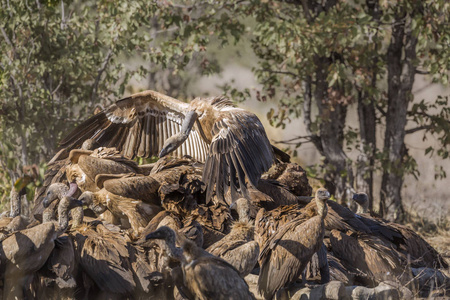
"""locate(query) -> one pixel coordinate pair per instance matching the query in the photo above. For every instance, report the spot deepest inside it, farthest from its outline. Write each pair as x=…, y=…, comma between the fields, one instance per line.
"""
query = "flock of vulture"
x=219, y=207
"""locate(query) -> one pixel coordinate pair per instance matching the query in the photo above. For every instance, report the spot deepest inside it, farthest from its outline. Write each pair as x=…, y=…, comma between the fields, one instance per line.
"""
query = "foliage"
x=61, y=59
x=349, y=41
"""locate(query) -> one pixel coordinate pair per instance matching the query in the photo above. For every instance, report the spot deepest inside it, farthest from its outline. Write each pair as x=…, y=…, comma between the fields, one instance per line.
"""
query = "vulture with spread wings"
x=231, y=141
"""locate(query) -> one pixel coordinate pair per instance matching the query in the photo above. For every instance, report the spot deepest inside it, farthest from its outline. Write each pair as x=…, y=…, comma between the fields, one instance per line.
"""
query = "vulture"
x=285, y=255
x=238, y=247
x=370, y=258
x=103, y=259
x=201, y=275
x=190, y=228
x=26, y=251
x=55, y=173
x=405, y=240
x=15, y=221
x=231, y=141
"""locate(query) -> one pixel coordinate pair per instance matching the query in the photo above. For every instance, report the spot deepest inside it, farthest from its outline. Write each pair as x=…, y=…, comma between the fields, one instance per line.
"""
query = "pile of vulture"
x=222, y=214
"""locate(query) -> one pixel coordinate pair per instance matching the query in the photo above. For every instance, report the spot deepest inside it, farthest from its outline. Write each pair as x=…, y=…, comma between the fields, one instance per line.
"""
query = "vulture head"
x=167, y=238
x=162, y=233
x=322, y=195
x=363, y=201
x=176, y=140
x=171, y=144
x=87, y=198
x=57, y=191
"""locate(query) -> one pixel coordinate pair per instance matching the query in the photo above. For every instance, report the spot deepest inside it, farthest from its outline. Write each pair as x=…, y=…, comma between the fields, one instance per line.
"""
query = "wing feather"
x=137, y=126
x=241, y=149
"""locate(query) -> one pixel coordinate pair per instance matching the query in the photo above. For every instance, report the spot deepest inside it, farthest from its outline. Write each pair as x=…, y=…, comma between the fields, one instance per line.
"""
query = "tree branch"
x=281, y=72
x=422, y=72
x=380, y=109
x=412, y=130
x=308, y=138
x=100, y=72
x=8, y=41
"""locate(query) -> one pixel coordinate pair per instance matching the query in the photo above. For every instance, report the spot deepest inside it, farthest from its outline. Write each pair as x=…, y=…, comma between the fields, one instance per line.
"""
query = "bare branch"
x=8, y=41
x=307, y=138
x=422, y=72
x=293, y=143
x=419, y=128
x=61, y=80
x=380, y=109
x=412, y=130
x=101, y=70
x=281, y=72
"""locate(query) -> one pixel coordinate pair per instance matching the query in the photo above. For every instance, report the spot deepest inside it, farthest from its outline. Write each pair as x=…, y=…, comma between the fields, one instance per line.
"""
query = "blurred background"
x=356, y=91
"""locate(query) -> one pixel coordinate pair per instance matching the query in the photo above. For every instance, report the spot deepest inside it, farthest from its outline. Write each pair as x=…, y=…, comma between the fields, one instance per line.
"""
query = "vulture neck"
x=15, y=203
x=243, y=216
x=191, y=251
x=322, y=208
x=49, y=214
x=65, y=205
x=77, y=216
x=362, y=208
x=168, y=246
x=63, y=214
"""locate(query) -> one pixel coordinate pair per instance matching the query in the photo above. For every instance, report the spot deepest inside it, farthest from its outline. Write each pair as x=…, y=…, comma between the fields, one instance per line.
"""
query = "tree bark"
x=339, y=174
x=367, y=122
x=329, y=141
x=400, y=63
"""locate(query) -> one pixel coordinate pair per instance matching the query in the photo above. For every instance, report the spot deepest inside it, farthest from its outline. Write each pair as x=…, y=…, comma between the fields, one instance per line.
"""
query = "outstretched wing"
x=239, y=149
x=138, y=126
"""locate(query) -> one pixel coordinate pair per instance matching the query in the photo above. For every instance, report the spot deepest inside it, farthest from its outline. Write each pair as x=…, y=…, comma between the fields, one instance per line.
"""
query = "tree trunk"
x=329, y=142
x=400, y=63
x=332, y=113
x=366, y=160
x=367, y=121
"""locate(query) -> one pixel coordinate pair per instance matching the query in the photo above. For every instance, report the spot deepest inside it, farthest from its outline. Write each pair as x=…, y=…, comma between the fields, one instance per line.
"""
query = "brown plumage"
x=85, y=165
x=55, y=173
x=238, y=247
x=231, y=141
x=279, y=194
x=215, y=220
x=338, y=217
x=290, y=176
x=26, y=251
x=132, y=211
x=103, y=256
x=190, y=228
x=285, y=255
x=201, y=275
x=268, y=222
x=55, y=280
x=421, y=253
x=15, y=221
x=368, y=255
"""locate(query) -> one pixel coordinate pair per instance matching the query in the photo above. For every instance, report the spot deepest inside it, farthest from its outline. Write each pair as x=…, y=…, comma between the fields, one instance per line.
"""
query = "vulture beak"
x=45, y=202
x=171, y=144
x=176, y=140
x=327, y=194
x=233, y=205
